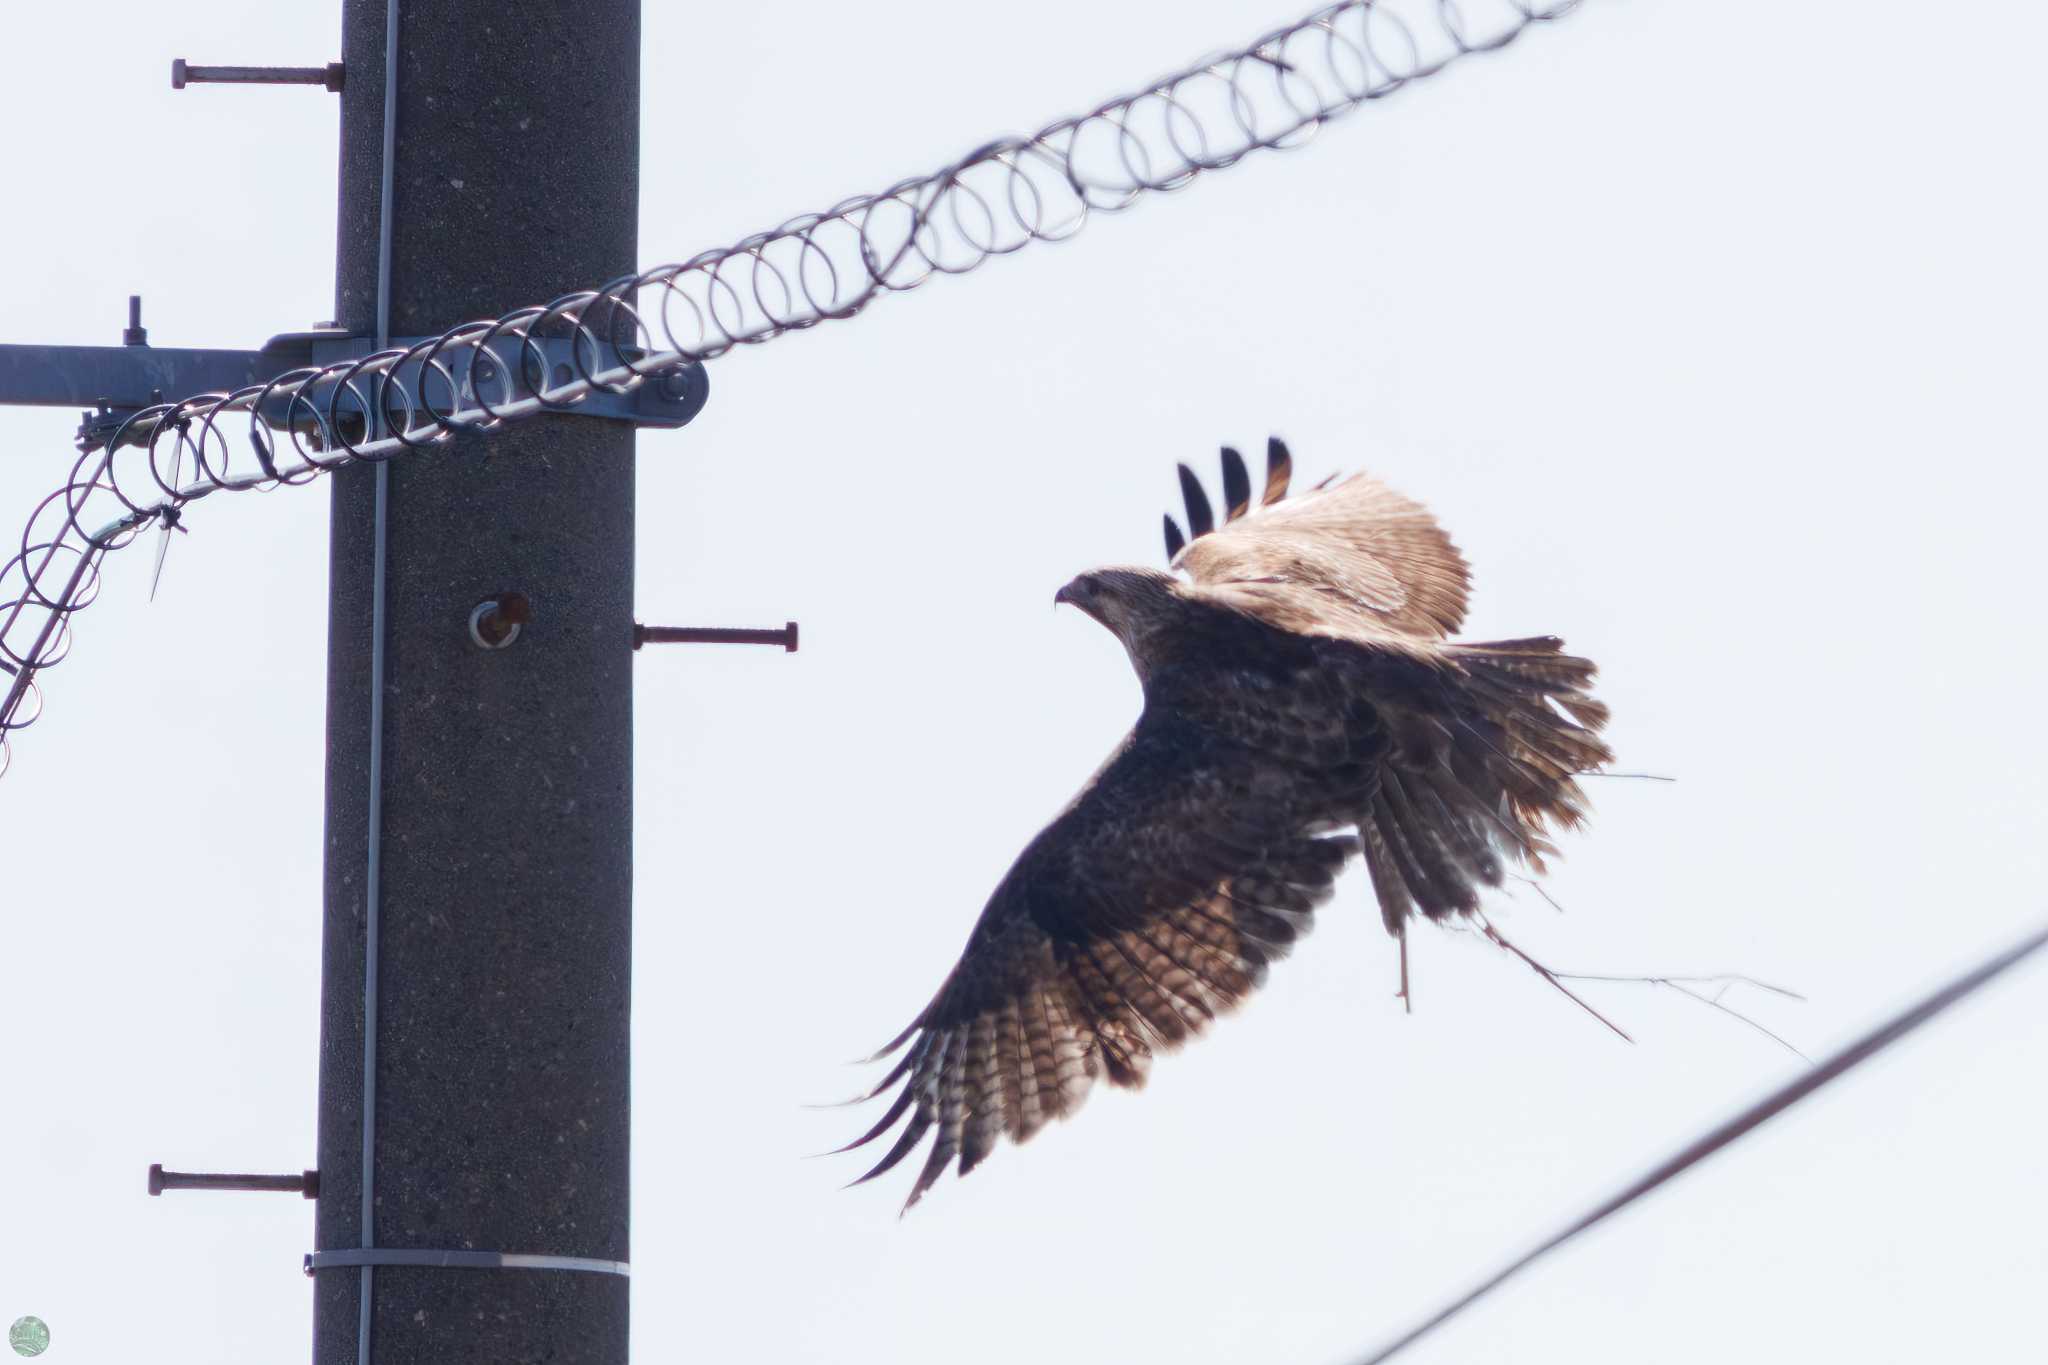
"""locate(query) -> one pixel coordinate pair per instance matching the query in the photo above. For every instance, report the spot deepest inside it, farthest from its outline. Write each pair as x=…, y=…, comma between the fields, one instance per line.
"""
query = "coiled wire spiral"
x=1277, y=92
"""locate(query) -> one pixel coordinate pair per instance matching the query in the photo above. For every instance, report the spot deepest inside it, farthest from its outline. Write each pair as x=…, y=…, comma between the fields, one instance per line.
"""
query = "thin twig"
x=1706, y=979
x=1539, y=889
x=1677, y=983
x=1494, y=936
x=1407, y=1000
x=1682, y=984
x=1714, y=1001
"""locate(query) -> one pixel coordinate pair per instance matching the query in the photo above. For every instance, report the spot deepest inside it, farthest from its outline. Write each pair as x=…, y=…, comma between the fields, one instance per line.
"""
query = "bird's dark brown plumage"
x=1302, y=705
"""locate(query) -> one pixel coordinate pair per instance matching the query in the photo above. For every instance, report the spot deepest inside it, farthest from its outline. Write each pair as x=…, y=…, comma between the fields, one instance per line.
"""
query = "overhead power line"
x=1856, y=1053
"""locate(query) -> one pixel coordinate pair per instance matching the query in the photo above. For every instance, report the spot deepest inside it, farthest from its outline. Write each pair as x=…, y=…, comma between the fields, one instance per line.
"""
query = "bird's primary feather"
x=1302, y=705
x=1237, y=485
x=1201, y=520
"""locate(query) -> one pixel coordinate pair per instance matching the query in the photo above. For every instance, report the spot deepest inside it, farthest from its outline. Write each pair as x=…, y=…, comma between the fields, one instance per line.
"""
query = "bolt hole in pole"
x=495, y=622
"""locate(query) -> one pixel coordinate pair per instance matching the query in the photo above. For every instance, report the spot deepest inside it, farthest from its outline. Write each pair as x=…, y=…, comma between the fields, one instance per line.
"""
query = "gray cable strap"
x=461, y=1260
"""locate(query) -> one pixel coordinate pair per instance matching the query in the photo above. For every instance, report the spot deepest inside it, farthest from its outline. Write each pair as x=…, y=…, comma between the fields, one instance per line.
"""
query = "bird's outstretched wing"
x=1351, y=559
x=1154, y=903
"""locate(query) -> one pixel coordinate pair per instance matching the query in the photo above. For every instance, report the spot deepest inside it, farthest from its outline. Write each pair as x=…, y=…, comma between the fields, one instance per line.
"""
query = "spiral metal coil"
x=1276, y=92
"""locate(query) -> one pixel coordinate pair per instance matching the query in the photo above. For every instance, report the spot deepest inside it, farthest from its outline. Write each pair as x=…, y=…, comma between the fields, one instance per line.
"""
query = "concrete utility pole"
x=503, y=914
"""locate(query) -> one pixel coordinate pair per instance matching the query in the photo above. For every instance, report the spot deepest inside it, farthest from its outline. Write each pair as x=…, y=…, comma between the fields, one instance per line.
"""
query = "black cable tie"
x=263, y=455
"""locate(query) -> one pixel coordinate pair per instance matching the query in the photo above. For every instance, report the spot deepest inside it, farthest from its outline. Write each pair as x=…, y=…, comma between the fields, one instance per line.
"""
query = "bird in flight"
x=1303, y=706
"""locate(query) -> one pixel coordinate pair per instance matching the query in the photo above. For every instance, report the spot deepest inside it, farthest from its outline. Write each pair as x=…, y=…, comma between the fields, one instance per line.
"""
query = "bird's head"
x=1136, y=605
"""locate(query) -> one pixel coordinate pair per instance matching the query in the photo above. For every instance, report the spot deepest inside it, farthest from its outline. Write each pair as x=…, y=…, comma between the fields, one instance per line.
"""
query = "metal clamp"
x=121, y=380
x=460, y=1260
x=501, y=372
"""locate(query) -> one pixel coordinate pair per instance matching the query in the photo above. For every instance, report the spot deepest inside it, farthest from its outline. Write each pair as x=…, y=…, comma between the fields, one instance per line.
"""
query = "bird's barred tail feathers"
x=1481, y=783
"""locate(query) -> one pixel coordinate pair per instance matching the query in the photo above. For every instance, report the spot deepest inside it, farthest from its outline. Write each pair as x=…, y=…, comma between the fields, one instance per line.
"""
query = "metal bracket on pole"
x=115, y=382
x=305, y=1183
x=714, y=635
x=328, y=77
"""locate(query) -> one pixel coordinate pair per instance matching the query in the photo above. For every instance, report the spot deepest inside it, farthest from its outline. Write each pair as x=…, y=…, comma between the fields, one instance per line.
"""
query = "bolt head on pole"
x=135, y=334
x=494, y=623
x=178, y=73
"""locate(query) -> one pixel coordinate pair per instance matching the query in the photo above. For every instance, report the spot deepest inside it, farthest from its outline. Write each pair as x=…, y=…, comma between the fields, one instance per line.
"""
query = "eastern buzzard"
x=1302, y=705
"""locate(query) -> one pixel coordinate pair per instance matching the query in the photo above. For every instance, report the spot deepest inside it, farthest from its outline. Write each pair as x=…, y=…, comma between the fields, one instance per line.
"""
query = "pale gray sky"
x=1712, y=332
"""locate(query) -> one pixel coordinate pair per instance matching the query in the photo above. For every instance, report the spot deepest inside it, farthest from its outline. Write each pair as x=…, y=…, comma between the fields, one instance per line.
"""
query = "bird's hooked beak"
x=1073, y=595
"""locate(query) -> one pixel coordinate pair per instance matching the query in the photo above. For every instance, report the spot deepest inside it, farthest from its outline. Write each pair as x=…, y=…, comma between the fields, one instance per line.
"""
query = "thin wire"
x=1275, y=93
x=373, y=877
x=1869, y=1045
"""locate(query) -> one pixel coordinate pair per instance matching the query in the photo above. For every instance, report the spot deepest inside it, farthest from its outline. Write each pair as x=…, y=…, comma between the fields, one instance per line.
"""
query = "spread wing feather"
x=1279, y=470
x=1201, y=519
x=1237, y=485
x=1485, y=743
x=1152, y=905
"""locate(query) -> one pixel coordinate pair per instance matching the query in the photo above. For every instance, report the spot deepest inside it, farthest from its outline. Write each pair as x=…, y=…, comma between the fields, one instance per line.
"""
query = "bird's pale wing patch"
x=1351, y=558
